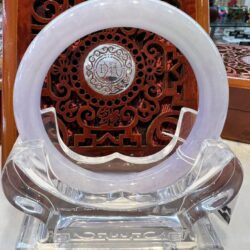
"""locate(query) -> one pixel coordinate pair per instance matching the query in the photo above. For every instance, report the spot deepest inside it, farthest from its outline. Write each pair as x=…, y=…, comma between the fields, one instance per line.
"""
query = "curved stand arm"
x=29, y=184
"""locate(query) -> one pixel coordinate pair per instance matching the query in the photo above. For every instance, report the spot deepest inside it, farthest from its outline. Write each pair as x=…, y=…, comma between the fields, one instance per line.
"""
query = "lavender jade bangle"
x=152, y=15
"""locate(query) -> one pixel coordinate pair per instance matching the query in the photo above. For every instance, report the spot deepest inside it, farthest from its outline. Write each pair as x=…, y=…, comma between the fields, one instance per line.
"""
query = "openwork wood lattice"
x=131, y=122
x=236, y=59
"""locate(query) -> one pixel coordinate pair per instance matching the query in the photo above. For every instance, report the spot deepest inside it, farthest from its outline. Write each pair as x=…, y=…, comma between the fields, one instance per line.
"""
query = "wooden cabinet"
x=237, y=126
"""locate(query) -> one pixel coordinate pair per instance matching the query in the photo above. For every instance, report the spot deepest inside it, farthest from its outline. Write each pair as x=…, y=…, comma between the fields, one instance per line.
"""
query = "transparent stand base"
x=144, y=233
x=59, y=216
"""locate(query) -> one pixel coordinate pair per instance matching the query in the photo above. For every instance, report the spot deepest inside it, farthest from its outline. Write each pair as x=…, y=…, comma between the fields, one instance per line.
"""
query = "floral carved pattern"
x=236, y=59
x=131, y=122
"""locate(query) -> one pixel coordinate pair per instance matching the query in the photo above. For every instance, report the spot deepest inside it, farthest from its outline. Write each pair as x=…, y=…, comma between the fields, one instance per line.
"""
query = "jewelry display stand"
x=175, y=217
x=117, y=201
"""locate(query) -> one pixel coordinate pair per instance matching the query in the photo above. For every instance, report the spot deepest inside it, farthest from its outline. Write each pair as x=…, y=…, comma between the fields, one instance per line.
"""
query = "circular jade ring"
x=151, y=15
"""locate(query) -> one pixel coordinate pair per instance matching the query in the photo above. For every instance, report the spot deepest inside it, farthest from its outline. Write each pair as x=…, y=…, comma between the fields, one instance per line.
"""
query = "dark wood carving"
x=27, y=17
x=132, y=122
x=20, y=27
x=236, y=59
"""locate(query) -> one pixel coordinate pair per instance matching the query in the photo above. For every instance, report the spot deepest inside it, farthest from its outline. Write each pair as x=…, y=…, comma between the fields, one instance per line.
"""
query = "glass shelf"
x=219, y=24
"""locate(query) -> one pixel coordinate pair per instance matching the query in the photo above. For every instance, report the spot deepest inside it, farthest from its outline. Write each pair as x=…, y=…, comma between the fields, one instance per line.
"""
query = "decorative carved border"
x=237, y=60
x=17, y=27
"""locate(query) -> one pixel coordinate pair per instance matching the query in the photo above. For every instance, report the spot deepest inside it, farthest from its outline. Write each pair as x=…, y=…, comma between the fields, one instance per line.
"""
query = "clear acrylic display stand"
x=176, y=217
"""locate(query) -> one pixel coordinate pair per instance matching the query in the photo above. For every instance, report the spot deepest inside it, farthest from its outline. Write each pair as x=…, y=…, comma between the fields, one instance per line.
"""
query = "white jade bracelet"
x=152, y=15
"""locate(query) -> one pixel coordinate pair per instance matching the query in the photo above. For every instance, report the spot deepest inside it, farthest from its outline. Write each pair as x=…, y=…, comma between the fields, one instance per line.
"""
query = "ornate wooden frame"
x=237, y=69
x=16, y=39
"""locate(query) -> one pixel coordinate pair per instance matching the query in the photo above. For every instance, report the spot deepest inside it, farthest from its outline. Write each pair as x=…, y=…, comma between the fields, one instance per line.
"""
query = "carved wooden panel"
x=33, y=15
x=131, y=122
x=236, y=59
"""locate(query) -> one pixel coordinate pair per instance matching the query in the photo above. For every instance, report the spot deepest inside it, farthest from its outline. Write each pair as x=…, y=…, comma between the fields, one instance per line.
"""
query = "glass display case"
x=230, y=22
x=231, y=33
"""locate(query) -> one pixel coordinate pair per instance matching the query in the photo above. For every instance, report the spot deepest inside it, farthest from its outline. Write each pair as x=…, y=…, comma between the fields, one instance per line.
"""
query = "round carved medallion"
x=109, y=69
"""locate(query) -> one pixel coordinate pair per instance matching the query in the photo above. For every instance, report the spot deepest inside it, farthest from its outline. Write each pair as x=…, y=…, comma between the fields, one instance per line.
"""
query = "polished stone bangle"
x=152, y=15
